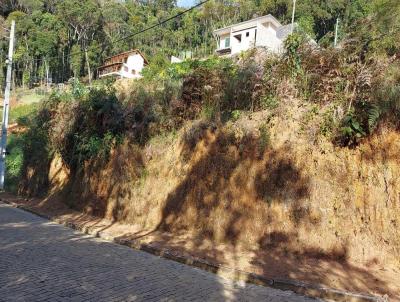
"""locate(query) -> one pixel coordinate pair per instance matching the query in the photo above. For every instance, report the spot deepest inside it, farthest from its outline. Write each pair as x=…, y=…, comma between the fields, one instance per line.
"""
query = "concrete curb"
x=310, y=290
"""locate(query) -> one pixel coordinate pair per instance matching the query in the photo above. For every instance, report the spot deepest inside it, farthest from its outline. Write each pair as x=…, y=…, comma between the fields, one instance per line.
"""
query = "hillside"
x=286, y=165
x=242, y=161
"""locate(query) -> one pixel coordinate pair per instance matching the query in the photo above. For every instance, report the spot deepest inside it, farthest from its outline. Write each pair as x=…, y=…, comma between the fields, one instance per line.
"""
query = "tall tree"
x=84, y=19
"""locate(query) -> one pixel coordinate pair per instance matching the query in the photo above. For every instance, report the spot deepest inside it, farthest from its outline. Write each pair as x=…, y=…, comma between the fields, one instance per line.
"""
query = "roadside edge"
x=298, y=287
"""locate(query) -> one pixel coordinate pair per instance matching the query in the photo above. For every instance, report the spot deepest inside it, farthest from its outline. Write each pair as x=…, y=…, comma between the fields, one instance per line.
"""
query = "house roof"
x=247, y=24
x=127, y=54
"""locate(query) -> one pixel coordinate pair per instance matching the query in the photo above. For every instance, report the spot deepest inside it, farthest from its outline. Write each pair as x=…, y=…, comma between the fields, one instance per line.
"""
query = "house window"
x=126, y=69
x=238, y=37
x=133, y=71
x=227, y=42
x=247, y=34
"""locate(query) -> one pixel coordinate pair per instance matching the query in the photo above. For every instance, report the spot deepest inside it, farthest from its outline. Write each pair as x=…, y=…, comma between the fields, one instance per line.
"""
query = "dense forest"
x=66, y=38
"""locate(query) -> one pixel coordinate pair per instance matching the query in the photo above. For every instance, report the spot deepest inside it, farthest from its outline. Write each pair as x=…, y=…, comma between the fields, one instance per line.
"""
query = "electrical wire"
x=135, y=33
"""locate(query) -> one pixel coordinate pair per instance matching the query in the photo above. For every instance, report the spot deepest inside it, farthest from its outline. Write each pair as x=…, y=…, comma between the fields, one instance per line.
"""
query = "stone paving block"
x=43, y=261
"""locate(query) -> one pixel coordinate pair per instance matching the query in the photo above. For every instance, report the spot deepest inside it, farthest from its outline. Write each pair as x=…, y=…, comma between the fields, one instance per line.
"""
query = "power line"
x=162, y=22
x=136, y=33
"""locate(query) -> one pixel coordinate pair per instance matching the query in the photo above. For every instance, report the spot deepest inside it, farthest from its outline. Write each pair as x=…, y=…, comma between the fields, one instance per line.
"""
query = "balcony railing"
x=109, y=69
x=224, y=51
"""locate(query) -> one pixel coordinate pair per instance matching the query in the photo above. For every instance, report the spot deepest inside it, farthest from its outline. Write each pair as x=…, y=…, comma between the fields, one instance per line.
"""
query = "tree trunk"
x=88, y=66
x=63, y=67
x=47, y=75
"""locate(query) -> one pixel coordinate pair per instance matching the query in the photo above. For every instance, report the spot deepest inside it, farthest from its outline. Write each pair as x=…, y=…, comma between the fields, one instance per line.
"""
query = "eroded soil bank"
x=278, y=204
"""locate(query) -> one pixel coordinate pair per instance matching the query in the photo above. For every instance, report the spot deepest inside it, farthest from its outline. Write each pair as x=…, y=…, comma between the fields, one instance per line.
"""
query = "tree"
x=84, y=19
x=51, y=32
x=76, y=60
x=387, y=25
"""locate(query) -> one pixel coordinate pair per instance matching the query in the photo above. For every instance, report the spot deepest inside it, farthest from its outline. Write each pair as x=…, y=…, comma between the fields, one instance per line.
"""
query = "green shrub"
x=96, y=124
x=328, y=123
x=14, y=162
x=78, y=89
x=351, y=130
x=292, y=45
x=161, y=69
x=241, y=85
x=37, y=154
x=235, y=115
x=156, y=67
x=270, y=102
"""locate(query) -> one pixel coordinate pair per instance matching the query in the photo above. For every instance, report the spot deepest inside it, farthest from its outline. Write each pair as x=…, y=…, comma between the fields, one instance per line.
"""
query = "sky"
x=186, y=3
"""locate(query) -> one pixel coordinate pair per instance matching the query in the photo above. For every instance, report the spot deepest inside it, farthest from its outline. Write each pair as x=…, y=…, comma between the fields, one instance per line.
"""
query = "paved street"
x=43, y=261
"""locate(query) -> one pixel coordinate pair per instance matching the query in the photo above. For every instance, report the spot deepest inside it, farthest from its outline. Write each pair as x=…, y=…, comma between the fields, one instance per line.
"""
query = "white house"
x=176, y=60
x=264, y=31
x=128, y=65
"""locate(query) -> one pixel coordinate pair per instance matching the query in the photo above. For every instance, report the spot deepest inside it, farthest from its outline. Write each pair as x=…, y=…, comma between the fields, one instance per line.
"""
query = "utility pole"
x=294, y=10
x=336, y=32
x=6, y=105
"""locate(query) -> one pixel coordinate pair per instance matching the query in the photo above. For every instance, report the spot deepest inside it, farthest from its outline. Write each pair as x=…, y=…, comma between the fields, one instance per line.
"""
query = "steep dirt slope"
x=261, y=194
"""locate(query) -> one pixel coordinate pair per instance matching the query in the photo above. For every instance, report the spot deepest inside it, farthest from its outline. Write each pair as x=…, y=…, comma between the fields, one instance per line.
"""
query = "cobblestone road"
x=43, y=261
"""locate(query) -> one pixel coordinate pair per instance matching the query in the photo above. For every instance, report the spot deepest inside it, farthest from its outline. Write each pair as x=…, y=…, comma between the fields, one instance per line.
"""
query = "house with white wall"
x=127, y=65
x=265, y=31
x=176, y=60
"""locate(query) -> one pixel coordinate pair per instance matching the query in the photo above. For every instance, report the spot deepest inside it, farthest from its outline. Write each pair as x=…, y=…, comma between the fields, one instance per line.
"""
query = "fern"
x=394, y=99
x=374, y=113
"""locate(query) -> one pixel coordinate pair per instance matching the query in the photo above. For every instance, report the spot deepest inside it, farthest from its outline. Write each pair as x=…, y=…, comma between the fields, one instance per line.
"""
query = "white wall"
x=134, y=63
x=266, y=36
x=175, y=60
x=246, y=42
